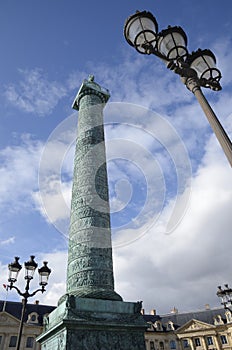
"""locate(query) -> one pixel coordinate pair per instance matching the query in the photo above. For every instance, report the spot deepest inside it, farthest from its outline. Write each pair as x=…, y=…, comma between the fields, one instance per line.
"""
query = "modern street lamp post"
x=30, y=267
x=226, y=296
x=196, y=70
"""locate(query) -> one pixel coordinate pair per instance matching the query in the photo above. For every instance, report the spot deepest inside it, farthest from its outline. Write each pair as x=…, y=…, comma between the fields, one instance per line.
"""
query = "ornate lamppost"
x=196, y=70
x=30, y=267
x=226, y=296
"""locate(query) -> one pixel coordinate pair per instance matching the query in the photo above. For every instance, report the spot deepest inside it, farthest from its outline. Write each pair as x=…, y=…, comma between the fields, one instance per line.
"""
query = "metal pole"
x=220, y=133
x=24, y=303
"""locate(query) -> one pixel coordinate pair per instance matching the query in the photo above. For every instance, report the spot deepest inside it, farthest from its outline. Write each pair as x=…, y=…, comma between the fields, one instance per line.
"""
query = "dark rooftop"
x=179, y=319
x=15, y=308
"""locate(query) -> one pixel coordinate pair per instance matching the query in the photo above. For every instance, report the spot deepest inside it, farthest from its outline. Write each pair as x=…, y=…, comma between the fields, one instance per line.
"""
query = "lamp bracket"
x=26, y=294
x=149, y=49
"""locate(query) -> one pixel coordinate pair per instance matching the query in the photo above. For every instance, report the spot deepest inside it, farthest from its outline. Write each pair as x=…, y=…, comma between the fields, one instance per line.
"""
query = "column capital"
x=88, y=87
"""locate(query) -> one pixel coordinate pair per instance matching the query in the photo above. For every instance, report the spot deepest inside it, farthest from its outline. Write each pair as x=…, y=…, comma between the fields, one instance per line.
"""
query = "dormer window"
x=170, y=326
x=150, y=326
x=158, y=326
x=218, y=320
x=33, y=318
x=228, y=316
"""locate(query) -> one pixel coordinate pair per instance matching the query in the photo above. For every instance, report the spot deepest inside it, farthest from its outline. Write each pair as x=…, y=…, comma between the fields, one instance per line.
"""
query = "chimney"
x=153, y=312
x=207, y=307
x=36, y=302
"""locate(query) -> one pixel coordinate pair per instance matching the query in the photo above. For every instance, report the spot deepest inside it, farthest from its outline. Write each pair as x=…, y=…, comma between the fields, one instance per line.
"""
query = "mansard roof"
x=180, y=319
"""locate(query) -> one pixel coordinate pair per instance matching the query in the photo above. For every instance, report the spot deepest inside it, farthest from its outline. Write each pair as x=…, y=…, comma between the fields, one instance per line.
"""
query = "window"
x=172, y=344
x=185, y=343
x=158, y=326
x=33, y=317
x=228, y=316
x=13, y=341
x=170, y=326
x=161, y=345
x=223, y=339
x=152, y=345
x=197, y=342
x=209, y=340
x=30, y=342
x=149, y=326
x=218, y=320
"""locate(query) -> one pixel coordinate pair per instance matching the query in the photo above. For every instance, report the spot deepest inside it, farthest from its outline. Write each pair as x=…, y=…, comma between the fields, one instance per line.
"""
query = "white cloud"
x=53, y=196
x=222, y=49
x=7, y=241
x=57, y=261
x=3, y=281
x=53, y=201
x=18, y=172
x=184, y=268
x=152, y=87
x=35, y=93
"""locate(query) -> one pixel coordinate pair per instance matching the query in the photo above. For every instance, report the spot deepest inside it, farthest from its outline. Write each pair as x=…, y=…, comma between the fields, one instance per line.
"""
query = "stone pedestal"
x=94, y=324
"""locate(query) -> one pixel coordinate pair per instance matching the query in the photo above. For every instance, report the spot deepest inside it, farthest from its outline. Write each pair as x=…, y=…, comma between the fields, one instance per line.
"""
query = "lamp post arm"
x=42, y=290
x=17, y=289
x=26, y=294
x=194, y=86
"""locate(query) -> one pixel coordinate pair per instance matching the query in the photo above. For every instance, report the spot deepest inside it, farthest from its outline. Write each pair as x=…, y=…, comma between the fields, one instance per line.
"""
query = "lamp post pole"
x=30, y=267
x=196, y=70
x=215, y=124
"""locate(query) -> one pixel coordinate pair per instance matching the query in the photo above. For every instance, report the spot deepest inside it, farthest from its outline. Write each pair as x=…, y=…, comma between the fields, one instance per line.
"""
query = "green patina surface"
x=94, y=324
x=90, y=267
x=91, y=315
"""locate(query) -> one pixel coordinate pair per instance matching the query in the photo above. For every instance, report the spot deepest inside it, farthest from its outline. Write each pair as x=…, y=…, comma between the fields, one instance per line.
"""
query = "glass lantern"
x=140, y=31
x=14, y=269
x=204, y=63
x=172, y=43
x=44, y=273
x=30, y=267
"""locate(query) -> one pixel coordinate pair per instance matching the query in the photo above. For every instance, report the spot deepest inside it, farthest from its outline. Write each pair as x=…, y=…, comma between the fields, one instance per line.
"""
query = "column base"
x=85, y=323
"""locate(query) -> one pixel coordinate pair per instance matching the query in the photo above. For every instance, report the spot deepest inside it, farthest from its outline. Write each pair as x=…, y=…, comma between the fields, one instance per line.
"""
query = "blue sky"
x=169, y=180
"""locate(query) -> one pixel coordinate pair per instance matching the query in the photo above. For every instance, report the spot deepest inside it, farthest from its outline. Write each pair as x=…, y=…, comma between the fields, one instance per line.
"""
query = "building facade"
x=10, y=315
x=209, y=329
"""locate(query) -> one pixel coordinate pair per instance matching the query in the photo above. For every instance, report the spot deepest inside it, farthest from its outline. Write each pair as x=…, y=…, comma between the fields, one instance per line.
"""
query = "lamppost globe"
x=172, y=43
x=196, y=70
x=140, y=31
x=204, y=63
x=30, y=267
x=14, y=269
x=44, y=273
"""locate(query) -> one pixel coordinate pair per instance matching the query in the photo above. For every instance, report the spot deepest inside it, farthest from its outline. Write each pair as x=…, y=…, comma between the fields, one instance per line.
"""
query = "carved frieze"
x=105, y=340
